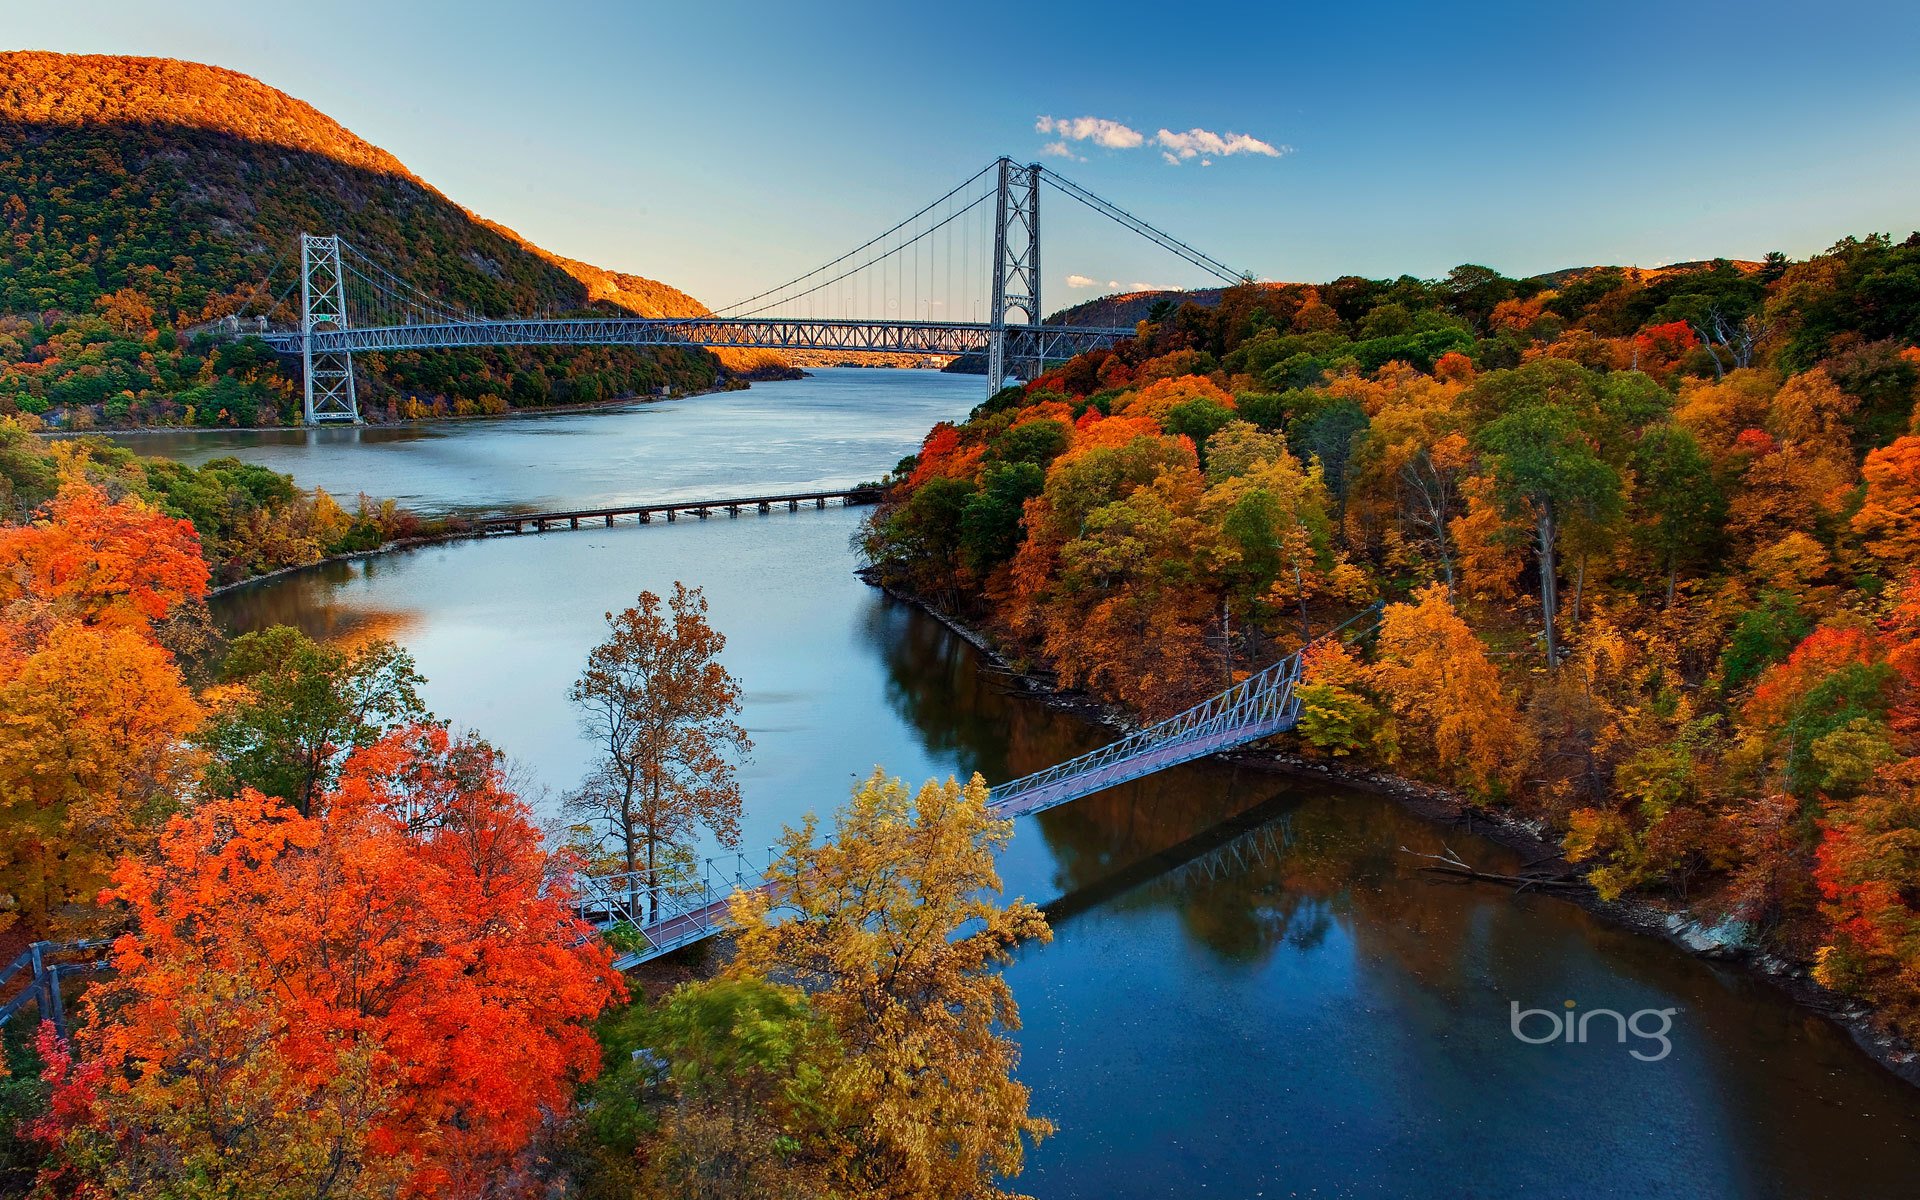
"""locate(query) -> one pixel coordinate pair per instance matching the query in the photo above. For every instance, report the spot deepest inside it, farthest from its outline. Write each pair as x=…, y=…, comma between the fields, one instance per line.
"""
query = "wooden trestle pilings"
x=672, y=510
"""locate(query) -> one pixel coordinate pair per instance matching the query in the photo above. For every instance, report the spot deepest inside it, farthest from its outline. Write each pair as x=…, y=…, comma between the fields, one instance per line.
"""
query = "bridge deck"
x=674, y=509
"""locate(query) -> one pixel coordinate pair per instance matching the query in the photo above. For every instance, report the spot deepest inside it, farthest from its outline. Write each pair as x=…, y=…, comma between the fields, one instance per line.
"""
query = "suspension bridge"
x=915, y=289
x=652, y=913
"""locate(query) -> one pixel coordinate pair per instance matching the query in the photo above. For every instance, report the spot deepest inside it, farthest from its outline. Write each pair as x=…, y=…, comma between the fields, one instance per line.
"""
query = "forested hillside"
x=1649, y=543
x=146, y=199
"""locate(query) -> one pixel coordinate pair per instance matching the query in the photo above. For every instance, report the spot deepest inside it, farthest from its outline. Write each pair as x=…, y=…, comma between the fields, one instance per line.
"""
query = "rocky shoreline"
x=1721, y=941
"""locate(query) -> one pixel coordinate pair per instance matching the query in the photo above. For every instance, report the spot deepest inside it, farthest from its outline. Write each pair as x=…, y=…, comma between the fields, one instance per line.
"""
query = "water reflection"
x=1250, y=990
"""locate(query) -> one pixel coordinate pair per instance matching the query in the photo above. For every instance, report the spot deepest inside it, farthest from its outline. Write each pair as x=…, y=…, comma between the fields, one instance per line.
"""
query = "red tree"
x=394, y=982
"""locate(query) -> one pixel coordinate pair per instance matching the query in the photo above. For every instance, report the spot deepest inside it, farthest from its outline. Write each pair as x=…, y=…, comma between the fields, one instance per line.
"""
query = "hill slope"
x=144, y=198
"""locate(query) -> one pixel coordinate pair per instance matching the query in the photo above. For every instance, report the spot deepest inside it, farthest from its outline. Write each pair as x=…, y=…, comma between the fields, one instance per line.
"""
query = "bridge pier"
x=765, y=507
x=326, y=375
x=609, y=520
x=574, y=522
x=733, y=510
x=702, y=511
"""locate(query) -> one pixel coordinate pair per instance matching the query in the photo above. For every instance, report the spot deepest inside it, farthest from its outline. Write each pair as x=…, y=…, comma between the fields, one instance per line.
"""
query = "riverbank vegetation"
x=248, y=520
x=343, y=956
x=1646, y=541
x=152, y=212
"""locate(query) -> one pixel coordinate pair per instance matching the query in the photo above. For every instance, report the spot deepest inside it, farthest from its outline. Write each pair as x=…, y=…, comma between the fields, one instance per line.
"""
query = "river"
x=1250, y=992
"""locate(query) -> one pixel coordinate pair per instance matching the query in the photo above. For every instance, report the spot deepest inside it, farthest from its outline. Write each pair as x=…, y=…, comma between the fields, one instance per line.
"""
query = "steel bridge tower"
x=323, y=302
x=1016, y=268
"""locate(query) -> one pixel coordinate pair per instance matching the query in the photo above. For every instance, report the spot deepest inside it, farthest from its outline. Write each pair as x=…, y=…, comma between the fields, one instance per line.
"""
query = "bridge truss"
x=898, y=293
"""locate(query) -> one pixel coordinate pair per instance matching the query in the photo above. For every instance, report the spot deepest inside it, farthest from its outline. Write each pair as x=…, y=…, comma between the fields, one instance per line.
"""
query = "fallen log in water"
x=1453, y=866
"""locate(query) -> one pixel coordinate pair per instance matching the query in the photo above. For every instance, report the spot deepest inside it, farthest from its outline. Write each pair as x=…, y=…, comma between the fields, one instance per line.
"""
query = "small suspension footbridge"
x=648, y=914
x=916, y=289
x=656, y=913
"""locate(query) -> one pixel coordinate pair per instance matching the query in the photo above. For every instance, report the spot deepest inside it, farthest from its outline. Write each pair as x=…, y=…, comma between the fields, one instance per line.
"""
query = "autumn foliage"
x=1644, y=537
x=94, y=714
x=392, y=989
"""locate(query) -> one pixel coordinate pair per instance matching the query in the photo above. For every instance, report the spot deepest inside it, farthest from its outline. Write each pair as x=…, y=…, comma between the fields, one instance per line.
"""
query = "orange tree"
x=388, y=994
x=94, y=714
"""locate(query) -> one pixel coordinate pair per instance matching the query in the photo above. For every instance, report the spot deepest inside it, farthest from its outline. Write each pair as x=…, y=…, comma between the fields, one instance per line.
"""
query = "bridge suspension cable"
x=1114, y=212
x=388, y=296
x=864, y=246
x=915, y=240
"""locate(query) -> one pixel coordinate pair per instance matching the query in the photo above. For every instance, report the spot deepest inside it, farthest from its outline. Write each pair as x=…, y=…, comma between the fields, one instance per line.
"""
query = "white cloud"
x=1081, y=281
x=1098, y=130
x=1061, y=150
x=1196, y=142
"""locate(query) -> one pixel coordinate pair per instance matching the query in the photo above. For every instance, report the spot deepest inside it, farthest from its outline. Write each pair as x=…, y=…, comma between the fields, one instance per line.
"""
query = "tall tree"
x=662, y=713
x=1442, y=686
x=1681, y=505
x=94, y=714
x=897, y=936
x=1546, y=468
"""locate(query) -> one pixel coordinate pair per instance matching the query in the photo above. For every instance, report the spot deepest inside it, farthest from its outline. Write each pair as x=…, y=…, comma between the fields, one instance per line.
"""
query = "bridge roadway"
x=1023, y=342
x=673, y=510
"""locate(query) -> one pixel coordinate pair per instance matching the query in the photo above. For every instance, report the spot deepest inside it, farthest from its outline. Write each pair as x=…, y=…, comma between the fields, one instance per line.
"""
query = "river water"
x=1250, y=992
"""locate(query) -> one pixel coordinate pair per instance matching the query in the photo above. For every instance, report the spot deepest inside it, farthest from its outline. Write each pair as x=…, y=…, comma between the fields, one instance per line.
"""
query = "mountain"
x=144, y=199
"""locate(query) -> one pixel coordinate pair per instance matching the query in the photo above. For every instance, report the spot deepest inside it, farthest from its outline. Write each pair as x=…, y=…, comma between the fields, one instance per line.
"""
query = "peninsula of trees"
x=1649, y=544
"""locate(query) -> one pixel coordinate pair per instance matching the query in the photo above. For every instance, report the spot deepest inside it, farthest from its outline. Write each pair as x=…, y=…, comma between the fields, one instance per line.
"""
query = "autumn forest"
x=1648, y=544
x=1608, y=577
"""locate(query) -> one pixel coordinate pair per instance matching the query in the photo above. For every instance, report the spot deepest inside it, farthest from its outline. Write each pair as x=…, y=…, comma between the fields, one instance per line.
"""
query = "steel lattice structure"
x=1016, y=265
x=879, y=337
x=328, y=371
x=396, y=315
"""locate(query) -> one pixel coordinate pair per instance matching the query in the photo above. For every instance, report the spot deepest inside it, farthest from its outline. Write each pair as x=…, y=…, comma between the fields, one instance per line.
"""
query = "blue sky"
x=720, y=145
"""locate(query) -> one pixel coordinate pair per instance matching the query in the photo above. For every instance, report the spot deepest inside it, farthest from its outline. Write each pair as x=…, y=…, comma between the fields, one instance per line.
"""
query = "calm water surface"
x=1249, y=992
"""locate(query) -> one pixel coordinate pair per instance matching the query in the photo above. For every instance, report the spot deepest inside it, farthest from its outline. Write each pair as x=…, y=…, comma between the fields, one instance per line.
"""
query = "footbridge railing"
x=646, y=914
x=1258, y=706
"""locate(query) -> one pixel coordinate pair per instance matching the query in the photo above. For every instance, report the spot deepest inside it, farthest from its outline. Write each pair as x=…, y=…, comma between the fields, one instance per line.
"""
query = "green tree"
x=1681, y=504
x=751, y=1102
x=1546, y=470
x=302, y=708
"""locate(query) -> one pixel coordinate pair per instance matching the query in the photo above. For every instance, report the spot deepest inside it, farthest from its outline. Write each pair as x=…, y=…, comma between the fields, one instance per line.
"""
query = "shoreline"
x=556, y=410
x=1444, y=806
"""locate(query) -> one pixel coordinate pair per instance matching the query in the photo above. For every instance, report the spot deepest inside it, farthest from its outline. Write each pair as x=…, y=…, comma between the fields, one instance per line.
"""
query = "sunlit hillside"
x=148, y=197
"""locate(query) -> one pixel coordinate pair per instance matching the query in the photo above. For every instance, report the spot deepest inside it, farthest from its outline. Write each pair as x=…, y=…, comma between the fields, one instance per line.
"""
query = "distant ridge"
x=186, y=183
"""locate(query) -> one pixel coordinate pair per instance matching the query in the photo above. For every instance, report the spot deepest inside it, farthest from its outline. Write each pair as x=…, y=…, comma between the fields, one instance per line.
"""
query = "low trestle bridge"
x=673, y=510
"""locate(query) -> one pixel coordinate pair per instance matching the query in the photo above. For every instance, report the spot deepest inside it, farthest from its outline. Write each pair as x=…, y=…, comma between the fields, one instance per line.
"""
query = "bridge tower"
x=1016, y=268
x=323, y=302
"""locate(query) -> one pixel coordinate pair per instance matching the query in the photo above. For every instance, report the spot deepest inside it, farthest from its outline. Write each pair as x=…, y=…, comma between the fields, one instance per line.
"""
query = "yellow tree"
x=895, y=931
x=1446, y=692
x=93, y=751
x=94, y=715
x=660, y=710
